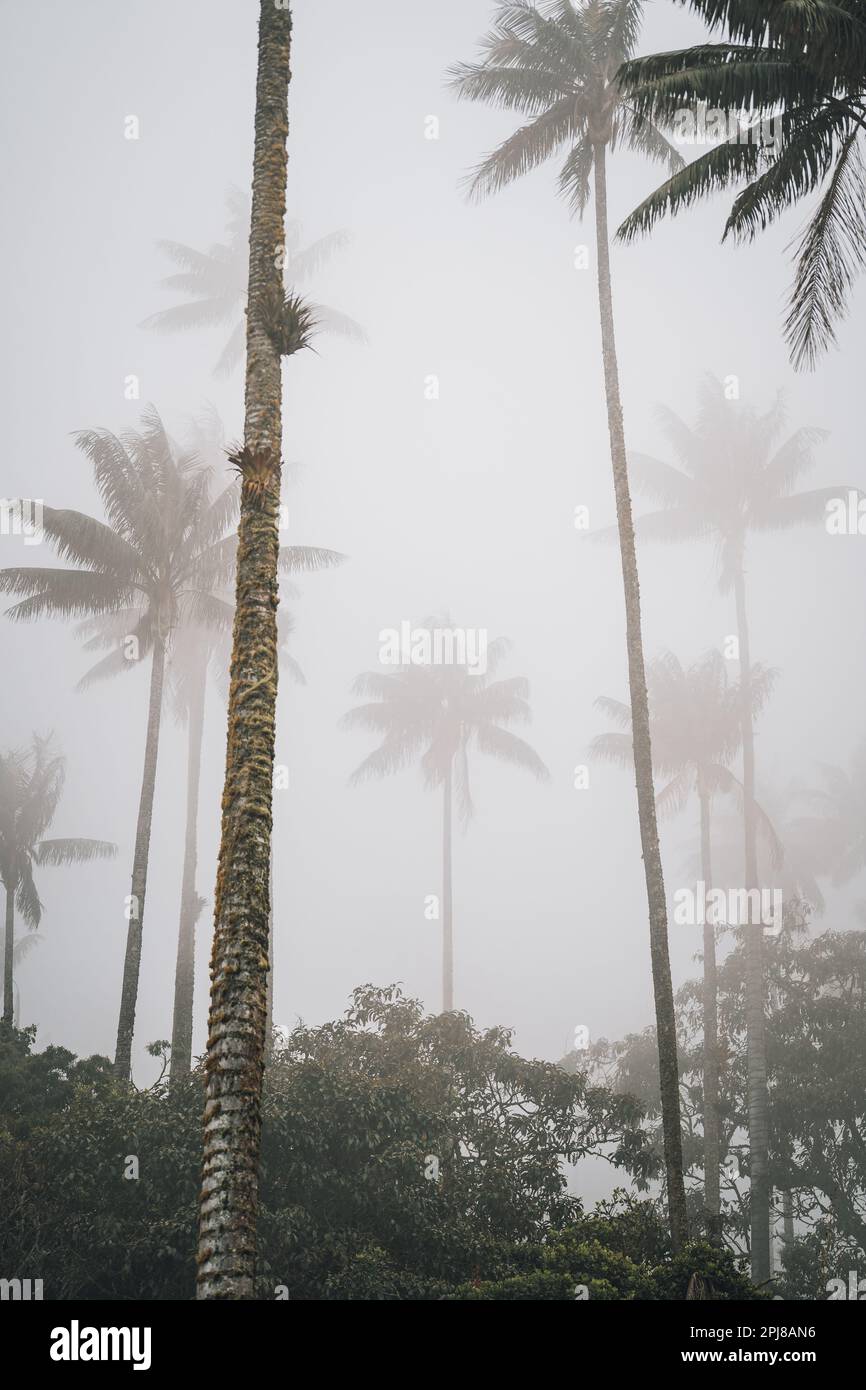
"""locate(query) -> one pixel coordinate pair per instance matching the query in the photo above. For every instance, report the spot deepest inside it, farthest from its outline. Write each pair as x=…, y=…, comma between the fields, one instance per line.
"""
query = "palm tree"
x=23, y=948
x=438, y=714
x=737, y=475
x=559, y=69
x=277, y=326
x=202, y=651
x=133, y=579
x=695, y=727
x=198, y=650
x=31, y=784
x=216, y=281
x=803, y=68
x=790, y=853
x=840, y=825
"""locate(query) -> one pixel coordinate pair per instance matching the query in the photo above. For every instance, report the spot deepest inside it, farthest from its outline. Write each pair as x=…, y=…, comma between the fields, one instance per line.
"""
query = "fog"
x=461, y=502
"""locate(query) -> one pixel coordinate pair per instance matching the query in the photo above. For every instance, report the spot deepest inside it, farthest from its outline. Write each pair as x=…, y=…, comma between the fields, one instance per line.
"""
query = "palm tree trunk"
x=239, y=961
x=184, y=975
x=132, y=962
x=447, y=917
x=712, y=1147
x=661, y=967
x=8, y=1001
x=758, y=1095
x=269, y=1033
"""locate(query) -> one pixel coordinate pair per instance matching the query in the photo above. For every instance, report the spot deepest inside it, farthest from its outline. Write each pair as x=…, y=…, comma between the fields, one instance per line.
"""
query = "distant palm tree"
x=558, y=68
x=216, y=281
x=803, y=68
x=197, y=649
x=790, y=853
x=696, y=732
x=840, y=825
x=31, y=784
x=156, y=564
x=23, y=948
x=737, y=476
x=438, y=714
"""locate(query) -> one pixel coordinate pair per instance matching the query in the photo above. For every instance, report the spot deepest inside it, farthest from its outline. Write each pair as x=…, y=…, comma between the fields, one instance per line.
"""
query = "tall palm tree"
x=439, y=714
x=31, y=784
x=197, y=651
x=203, y=651
x=216, y=281
x=696, y=732
x=558, y=67
x=803, y=68
x=737, y=475
x=153, y=565
x=277, y=326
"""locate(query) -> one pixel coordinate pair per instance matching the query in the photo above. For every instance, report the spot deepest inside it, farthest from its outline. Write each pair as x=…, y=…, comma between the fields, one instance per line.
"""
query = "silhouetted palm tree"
x=802, y=67
x=558, y=68
x=737, y=474
x=696, y=732
x=438, y=715
x=31, y=784
x=154, y=565
x=216, y=281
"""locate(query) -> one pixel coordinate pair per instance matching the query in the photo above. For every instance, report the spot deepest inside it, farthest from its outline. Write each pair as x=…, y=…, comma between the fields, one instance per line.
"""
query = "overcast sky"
x=463, y=503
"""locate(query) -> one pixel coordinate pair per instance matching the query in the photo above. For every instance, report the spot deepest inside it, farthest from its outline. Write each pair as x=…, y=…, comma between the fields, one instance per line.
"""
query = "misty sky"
x=463, y=503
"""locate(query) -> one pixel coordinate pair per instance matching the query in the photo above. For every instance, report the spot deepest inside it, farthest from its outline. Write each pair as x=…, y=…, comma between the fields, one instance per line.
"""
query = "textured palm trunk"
x=239, y=960
x=758, y=1095
x=8, y=956
x=447, y=914
x=661, y=967
x=712, y=1146
x=190, y=903
x=269, y=1033
x=132, y=961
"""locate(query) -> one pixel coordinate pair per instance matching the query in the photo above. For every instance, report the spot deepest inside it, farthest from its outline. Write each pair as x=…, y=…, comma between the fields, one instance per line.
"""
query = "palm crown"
x=804, y=66
x=558, y=67
x=31, y=785
x=154, y=564
x=438, y=714
x=695, y=724
x=736, y=474
x=216, y=282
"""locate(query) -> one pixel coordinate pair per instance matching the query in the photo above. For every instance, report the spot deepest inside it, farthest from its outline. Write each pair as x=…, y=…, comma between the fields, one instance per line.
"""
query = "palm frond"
x=73, y=851
x=830, y=256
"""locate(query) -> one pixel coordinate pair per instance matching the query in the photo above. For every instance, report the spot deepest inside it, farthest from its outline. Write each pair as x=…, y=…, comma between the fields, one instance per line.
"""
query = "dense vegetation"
x=404, y=1156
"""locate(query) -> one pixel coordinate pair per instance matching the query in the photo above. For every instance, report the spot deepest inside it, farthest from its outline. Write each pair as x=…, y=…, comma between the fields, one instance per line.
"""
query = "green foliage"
x=816, y=1031
x=353, y=1112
